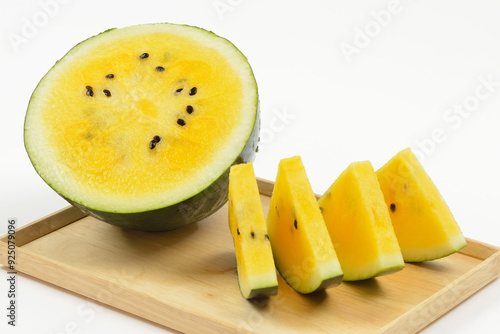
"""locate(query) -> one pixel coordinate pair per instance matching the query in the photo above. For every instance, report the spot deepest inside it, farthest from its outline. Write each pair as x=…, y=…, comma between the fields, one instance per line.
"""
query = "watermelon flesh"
x=138, y=126
x=302, y=249
x=423, y=222
x=254, y=257
x=359, y=224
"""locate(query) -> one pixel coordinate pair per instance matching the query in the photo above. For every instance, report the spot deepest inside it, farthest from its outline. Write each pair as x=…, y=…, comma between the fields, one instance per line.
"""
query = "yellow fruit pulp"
x=302, y=249
x=423, y=222
x=99, y=129
x=359, y=224
x=254, y=258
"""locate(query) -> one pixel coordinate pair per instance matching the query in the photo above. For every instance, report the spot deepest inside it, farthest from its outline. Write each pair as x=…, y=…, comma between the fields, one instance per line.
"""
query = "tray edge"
x=45, y=225
x=447, y=298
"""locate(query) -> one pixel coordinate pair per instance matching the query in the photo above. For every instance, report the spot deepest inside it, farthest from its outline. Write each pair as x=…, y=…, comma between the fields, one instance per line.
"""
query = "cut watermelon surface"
x=424, y=224
x=138, y=126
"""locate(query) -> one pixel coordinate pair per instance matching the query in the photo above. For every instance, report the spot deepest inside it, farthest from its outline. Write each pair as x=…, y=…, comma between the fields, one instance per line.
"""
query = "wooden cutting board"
x=186, y=279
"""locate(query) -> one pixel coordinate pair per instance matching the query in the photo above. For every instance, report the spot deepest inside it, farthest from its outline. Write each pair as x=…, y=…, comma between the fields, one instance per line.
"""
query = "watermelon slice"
x=359, y=224
x=423, y=222
x=254, y=256
x=139, y=126
x=302, y=249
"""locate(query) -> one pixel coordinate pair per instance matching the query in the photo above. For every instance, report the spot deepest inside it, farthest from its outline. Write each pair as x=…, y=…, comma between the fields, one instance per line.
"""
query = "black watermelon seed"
x=160, y=68
x=193, y=91
x=189, y=109
x=181, y=122
x=144, y=55
x=107, y=92
x=90, y=92
x=178, y=90
x=393, y=207
x=156, y=140
x=110, y=76
x=321, y=208
x=238, y=231
x=252, y=234
x=295, y=223
x=266, y=236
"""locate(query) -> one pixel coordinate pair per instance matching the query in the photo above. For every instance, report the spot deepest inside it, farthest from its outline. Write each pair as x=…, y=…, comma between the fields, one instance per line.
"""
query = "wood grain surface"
x=186, y=279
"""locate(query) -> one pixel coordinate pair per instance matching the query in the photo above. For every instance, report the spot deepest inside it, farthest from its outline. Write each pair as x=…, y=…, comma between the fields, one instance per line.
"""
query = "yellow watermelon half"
x=139, y=126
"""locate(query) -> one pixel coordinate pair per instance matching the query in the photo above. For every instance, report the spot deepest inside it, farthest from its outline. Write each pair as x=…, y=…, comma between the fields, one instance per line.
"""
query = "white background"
x=397, y=89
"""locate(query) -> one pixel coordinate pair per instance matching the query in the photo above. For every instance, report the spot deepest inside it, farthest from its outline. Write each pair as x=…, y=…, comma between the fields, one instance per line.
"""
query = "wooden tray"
x=186, y=279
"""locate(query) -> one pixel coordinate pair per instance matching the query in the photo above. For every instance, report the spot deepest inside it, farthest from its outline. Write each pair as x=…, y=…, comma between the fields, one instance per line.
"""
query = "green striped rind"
x=263, y=292
x=434, y=253
x=382, y=272
x=258, y=286
x=327, y=282
x=325, y=276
